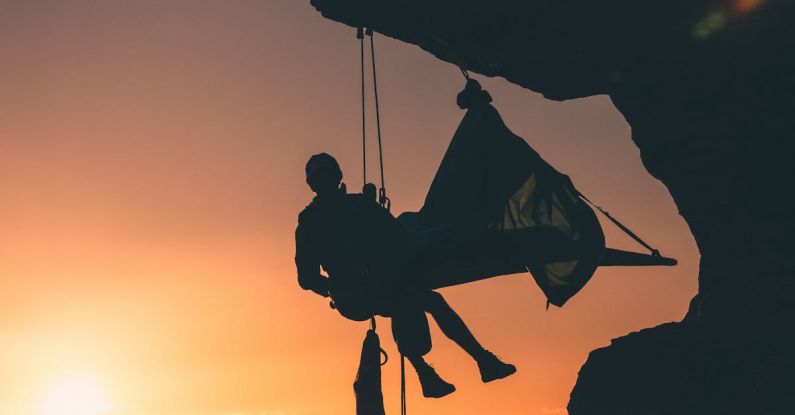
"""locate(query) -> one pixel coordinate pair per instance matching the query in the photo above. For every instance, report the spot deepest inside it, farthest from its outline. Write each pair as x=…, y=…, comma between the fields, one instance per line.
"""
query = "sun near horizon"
x=75, y=395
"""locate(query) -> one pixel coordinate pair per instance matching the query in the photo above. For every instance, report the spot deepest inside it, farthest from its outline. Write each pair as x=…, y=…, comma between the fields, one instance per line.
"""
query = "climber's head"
x=323, y=173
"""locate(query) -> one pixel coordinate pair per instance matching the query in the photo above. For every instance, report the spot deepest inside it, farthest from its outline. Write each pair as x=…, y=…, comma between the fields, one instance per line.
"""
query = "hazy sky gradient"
x=151, y=171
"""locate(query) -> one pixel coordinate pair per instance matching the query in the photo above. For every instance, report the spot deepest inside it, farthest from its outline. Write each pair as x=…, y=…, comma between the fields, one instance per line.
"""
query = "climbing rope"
x=402, y=385
x=463, y=71
x=360, y=36
x=383, y=200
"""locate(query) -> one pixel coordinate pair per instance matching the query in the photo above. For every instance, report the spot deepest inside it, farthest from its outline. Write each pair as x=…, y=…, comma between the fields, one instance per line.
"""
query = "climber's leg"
x=433, y=386
x=451, y=324
x=412, y=335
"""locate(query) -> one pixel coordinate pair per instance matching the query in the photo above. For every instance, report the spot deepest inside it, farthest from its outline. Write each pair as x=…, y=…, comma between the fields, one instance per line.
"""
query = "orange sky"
x=151, y=171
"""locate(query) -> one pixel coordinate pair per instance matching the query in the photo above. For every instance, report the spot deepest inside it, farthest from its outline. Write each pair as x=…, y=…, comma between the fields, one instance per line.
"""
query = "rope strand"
x=360, y=36
x=464, y=72
x=403, y=385
x=382, y=198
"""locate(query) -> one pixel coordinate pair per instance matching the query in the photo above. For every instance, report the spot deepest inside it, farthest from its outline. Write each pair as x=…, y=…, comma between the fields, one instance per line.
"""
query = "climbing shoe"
x=492, y=368
x=433, y=386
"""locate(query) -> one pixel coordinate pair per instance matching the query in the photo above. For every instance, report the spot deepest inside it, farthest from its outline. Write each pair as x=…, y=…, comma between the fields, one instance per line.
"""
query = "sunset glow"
x=151, y=173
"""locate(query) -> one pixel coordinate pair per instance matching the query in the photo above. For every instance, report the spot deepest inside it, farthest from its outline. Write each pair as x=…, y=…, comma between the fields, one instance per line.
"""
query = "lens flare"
x=743, y=6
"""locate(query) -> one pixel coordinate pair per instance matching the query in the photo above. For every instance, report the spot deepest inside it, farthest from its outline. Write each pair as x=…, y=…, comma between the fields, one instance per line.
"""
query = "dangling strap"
x=402, y=372
x=621, y=226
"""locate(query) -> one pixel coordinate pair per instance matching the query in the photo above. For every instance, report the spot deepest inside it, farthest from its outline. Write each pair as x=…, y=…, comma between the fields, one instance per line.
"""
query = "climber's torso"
x=362, y=247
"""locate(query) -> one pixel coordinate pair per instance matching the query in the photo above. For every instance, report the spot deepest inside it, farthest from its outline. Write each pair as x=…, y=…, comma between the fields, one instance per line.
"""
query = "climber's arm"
x=307, y=264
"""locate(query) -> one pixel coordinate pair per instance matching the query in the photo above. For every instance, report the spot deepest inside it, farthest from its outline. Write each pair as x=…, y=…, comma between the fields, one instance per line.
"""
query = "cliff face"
x=708, y=88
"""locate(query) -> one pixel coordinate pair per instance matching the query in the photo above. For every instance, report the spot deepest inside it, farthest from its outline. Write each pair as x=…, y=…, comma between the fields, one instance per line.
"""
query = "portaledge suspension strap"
x=654, y=252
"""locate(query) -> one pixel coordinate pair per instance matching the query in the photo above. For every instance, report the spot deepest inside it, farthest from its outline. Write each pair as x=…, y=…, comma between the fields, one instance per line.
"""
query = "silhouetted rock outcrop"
x=708, y=88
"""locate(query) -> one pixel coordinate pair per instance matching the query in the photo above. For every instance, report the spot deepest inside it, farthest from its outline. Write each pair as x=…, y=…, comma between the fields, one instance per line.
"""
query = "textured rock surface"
x=708, y=88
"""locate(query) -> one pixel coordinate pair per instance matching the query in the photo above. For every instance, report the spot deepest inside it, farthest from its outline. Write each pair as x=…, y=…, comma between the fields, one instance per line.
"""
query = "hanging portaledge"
x=532, y=217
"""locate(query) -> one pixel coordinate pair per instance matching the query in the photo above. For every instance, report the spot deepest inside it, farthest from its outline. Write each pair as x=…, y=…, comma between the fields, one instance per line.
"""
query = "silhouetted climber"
x=495, y=207
x=369, y=258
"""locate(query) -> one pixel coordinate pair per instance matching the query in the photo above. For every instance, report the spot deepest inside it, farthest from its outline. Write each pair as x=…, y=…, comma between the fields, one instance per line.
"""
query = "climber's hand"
x=322, y=288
